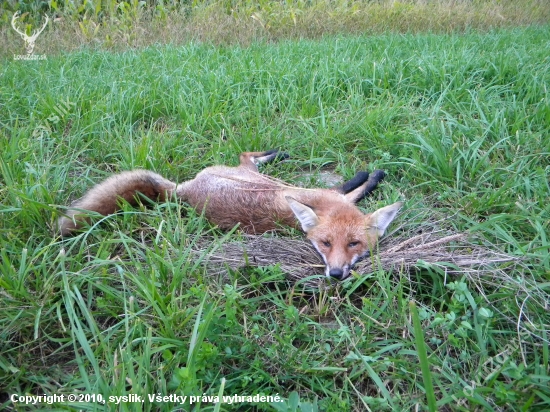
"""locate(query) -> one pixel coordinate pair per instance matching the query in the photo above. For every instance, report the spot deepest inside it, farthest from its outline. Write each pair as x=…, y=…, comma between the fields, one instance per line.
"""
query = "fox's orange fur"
x=339, y=231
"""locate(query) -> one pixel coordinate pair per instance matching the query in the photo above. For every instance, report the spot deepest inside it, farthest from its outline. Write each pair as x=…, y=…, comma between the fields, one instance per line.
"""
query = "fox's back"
x=232, y=195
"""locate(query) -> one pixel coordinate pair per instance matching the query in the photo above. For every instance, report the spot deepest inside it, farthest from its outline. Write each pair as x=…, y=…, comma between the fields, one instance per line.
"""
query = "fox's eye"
x=353, y=244
x=326, y=243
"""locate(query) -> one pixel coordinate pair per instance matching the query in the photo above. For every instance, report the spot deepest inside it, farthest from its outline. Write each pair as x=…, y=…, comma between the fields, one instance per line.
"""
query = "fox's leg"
x=353, y=183
x=251, y=160
x=364, y=188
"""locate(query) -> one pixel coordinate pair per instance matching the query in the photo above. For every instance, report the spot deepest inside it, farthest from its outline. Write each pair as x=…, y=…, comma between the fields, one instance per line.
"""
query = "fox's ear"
x=381, y=219
x=307, y=217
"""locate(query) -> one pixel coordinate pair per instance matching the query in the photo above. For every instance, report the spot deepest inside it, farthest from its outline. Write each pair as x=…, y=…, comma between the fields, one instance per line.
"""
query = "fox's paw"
x=354, y=182
x=377, y=176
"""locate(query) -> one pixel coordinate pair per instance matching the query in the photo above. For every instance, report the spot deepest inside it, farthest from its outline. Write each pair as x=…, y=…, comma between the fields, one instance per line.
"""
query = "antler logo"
x=29, y=40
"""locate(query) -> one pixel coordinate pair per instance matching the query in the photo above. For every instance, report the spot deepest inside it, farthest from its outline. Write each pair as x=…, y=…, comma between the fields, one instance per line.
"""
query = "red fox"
x=338, y=230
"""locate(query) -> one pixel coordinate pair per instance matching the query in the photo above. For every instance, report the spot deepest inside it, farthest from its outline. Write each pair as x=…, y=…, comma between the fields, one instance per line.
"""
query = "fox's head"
x=343, y=235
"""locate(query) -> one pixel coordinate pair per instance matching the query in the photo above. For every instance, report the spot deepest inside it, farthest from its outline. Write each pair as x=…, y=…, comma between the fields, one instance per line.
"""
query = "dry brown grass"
x=272, y=21
x=407, y=248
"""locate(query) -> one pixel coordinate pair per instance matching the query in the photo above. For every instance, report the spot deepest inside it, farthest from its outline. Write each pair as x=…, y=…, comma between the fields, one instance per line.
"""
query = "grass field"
x=460, y=122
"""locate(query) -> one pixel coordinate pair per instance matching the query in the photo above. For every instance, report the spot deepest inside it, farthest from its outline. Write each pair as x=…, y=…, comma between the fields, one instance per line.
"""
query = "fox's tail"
x=104, y=198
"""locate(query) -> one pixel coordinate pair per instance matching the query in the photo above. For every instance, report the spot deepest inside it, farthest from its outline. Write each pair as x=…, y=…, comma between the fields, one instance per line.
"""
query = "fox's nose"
x=336, y=273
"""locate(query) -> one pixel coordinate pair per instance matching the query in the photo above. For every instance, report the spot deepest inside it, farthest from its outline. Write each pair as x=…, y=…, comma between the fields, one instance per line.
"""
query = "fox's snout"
x=341, y=270
x=337, y=273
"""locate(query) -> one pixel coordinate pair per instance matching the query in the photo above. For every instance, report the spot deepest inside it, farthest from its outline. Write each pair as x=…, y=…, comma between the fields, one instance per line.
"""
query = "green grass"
x=460, y=123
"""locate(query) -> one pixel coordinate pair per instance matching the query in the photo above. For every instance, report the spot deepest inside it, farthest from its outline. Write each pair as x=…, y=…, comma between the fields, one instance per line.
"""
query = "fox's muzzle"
x=343, y=272
x=338, y=273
